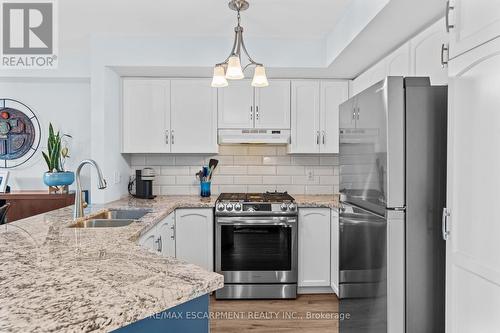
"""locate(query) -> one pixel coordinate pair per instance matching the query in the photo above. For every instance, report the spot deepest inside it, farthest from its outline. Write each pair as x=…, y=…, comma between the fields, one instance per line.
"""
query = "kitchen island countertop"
x=59, y=279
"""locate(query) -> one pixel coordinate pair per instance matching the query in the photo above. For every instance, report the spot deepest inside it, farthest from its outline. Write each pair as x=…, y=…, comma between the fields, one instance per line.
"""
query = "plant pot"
x=58, y=178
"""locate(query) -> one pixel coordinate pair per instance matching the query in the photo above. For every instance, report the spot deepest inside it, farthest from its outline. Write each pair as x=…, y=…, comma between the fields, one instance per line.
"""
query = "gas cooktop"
x=272, y=197
x=268, y=202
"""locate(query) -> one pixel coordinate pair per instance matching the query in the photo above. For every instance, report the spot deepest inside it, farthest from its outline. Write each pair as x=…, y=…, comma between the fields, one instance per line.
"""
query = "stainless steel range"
x=256, y=245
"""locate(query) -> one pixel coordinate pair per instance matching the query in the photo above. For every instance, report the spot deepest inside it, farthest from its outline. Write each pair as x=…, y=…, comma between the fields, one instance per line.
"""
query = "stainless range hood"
x=228, y=136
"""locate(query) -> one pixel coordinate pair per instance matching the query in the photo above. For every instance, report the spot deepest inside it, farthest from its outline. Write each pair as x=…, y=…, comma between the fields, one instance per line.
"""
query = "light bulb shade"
x=219, y=79
x=234, y=71
x=259, y=77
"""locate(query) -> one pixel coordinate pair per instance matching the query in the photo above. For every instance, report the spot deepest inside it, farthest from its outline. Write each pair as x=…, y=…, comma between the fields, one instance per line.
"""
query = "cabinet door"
x=193, y=116
x=166, y=236
x=305, y=117
x=472, y=260
x=426, y=53
x=314, y=247
x=475, y=22
x=146, y=115
x=236, y=105
x=149, y=240
x=194, y=236
x=398, y=62
x=334, y=251
x=333, y=93
x=272, y=105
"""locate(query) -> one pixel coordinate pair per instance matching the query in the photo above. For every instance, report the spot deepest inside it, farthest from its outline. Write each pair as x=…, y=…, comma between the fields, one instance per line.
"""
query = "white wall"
x=65, y=103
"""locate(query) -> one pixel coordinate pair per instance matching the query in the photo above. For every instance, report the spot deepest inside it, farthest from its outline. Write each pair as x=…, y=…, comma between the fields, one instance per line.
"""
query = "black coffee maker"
x=143, y=184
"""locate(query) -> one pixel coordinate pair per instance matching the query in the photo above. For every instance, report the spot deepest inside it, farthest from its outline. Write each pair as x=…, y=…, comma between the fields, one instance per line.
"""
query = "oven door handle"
x=259, y=224
x=250, y=221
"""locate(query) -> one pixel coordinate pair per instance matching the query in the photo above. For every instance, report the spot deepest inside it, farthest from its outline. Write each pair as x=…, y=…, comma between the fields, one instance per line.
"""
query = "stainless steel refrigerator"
x=393, y=189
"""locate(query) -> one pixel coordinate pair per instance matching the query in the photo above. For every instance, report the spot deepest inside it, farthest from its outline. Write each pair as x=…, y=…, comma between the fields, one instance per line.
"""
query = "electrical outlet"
x=117, y=177
x=310, y=175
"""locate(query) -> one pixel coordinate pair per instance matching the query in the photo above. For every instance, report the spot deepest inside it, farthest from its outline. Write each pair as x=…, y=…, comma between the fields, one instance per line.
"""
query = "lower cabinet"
x=334, y=251
x=314, y=247
x=194, y=237
x=165, y=231
x=186, y=234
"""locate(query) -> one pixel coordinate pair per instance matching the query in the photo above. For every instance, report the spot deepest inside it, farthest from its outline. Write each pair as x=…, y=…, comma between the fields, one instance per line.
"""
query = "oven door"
x=256, y=249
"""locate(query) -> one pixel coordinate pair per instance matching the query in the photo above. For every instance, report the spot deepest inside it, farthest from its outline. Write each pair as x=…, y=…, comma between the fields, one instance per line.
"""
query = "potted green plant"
x=57, y=153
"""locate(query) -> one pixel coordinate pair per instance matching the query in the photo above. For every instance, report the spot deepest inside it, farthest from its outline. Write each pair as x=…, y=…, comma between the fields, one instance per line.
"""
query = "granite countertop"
x=59, y=279
x=317, y=201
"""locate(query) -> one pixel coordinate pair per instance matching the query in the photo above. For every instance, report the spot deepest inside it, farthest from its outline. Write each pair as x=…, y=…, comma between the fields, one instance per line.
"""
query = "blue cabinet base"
x=189, y=317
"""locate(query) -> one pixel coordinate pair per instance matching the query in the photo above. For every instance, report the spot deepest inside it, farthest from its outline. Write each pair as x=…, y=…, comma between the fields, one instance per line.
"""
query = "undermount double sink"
x=112, y=218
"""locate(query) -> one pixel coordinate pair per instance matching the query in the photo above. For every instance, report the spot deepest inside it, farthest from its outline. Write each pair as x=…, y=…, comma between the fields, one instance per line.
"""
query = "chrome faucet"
x=78, y=211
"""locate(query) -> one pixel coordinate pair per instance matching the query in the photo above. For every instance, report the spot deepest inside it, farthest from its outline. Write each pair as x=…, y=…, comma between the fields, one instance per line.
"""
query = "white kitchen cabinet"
x=315, y=116
x=333, y=93
x=146, y=115
x=395, y=64
x=334, y=251
x=165, y=231
x=243, y=107
x=314, y=247
x=272, y=105
x=169, y=116
x=193, y=127
x=472, y=260
x=475, y=22
x=235, y=107
x=194, y=236
x=149, y=239
x=425, y=53
x=305, y=117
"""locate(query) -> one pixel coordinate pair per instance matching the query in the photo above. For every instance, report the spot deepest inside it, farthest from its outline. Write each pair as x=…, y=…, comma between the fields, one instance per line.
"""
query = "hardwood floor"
x=266, y=316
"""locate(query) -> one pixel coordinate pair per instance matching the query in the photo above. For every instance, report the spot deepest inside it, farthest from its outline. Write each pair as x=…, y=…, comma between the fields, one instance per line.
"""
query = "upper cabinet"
x=472, y=23
x=426, y=55
x=243, y=107
x=193, y=117
x=272, y=105
x=420, y=56
x=315, y=116
x=169, y=116
x=395, y=64
x=236, y=105
x=146, y=115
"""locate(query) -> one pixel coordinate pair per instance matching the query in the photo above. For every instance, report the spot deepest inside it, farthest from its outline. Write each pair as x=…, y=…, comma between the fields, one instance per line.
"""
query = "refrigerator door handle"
x=444, y=224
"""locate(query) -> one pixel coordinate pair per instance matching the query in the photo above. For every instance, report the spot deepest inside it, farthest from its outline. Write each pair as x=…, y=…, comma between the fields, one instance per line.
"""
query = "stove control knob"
x=237, y=207
x=292, y=207
x=220, y=207
x=284, y=207
x=229, y=207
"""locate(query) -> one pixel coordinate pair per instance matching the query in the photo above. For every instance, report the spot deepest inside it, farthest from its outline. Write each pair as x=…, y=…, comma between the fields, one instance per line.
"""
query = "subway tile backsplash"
x=244, y=168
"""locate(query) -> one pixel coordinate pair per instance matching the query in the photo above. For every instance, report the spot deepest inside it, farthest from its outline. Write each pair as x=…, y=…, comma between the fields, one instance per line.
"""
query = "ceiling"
x=264, y=18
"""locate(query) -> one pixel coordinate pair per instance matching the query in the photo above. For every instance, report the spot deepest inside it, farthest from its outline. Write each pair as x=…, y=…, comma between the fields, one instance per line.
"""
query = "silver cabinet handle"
x=317, y=137
x=251, y=112
x=159, y=245
x=444, y=224
x=357, y=118
x=173, y=232
x=324, y=137
x=166, y=137
x=444, y=60
x=172, y=136
x=257, y=113
x=447, y=16
x=354, y=114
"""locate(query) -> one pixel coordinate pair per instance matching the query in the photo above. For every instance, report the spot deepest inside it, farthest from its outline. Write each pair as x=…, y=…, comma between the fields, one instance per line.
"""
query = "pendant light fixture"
x=231, y=68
